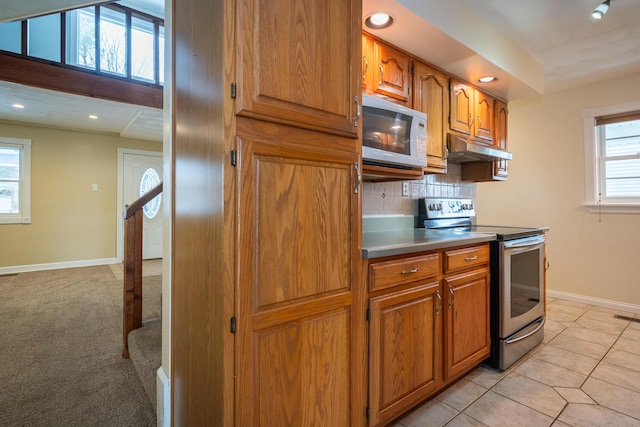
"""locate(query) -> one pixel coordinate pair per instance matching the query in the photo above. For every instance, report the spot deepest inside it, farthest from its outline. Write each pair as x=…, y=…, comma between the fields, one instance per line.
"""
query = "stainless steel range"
x=517, y=276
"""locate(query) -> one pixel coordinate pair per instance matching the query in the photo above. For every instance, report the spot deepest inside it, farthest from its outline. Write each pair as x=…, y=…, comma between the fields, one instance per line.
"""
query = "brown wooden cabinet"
x=466, y=327
x=285, y=75
x=501, y=167
x=386, y=71
x=268, y=315
x=497, y=170
x=431, y=96
x=471, y=112
x=466, y=294
x=368, y=62
x=295, y=359
x=429, y=324
x=405, y=350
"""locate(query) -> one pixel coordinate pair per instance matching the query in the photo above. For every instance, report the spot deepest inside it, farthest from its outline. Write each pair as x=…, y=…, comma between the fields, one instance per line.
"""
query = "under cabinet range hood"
x=461, y=150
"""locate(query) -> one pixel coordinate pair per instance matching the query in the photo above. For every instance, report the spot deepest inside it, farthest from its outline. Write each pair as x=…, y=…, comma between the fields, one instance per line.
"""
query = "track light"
x=599, y=11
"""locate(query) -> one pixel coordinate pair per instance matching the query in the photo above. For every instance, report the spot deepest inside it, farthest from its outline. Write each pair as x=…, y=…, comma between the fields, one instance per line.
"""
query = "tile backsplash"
x=385, y=198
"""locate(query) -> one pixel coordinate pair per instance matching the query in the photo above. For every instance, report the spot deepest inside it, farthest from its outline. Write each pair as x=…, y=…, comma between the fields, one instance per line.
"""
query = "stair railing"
x=132, y=295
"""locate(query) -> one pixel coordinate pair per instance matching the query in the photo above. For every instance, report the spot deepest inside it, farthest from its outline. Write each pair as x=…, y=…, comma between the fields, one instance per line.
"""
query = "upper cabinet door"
x=299, y=63
x=472, y=113
x=501, y=167
x=483, y=129
x=392, y=73
x=462, y=113
x=431, y=96
x=368, y=63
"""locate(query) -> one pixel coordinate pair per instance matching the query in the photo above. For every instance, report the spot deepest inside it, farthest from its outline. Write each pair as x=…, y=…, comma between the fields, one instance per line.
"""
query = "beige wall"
x=590, y=256
x=69, y=222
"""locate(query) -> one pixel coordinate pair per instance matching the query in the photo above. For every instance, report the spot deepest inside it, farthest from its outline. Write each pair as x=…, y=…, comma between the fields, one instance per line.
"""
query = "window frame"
x=593, y=166
x=24, y=214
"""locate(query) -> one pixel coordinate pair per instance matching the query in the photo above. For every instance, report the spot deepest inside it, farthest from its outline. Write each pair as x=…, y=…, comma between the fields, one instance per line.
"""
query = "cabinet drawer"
x=461, y=259
x=400, y=271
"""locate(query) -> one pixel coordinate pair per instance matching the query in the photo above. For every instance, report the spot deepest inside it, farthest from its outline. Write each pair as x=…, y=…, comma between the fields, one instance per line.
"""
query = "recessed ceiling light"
x=600, y=11
x=93, y=117
x=487, y=79
x=379, y=20
x=19, y=106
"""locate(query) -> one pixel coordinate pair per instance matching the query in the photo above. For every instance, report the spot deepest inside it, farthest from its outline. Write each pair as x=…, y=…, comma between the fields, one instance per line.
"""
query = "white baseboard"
x=57, y=265
x=163, y=399
x=616, y=305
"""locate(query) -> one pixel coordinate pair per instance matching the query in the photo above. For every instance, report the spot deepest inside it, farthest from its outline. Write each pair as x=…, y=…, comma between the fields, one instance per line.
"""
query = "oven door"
x=521, y=283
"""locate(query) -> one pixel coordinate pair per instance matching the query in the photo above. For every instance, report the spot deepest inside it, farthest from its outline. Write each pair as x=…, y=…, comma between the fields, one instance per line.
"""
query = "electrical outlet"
x=405, y=189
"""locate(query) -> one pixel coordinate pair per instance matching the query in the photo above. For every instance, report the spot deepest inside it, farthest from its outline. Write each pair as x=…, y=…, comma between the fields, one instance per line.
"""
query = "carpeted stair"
x=145, y=352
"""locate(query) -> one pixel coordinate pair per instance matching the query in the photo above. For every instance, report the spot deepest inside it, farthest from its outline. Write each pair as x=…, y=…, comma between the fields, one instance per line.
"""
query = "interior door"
x=142, y=172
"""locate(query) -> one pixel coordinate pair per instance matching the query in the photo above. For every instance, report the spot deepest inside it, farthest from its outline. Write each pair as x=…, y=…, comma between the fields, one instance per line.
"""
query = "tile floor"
x=585, y=373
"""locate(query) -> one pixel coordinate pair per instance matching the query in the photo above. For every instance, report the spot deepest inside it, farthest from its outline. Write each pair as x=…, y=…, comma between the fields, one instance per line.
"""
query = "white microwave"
x=392, y=134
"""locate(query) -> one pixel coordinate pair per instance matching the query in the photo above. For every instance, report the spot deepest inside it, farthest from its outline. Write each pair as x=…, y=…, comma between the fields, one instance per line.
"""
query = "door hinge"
x=368, y=413
x=234, y=90
x=368, y=315
x=234, y=157
x=232, y=325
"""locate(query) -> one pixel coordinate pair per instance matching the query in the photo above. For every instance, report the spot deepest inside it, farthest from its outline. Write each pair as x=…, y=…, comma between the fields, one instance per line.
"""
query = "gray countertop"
x=377, y=244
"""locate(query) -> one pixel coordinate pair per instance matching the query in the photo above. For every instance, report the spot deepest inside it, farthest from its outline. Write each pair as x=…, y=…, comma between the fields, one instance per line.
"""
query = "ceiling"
x=533, y=46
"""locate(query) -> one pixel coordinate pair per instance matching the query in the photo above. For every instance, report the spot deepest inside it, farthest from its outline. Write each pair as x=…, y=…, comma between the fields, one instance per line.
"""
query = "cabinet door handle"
x=471, y=258
x=366, y=66
x=358, y=111
x=471, y=120
x=453, y=297
x=413, y=270
x=439, y=302
x=546, y=264
x=356, y=165
x=381, y=79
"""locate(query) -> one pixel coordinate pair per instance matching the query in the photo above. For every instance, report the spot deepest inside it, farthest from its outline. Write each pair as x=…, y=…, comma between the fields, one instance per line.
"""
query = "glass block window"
x=150, y=179
x=15, y=181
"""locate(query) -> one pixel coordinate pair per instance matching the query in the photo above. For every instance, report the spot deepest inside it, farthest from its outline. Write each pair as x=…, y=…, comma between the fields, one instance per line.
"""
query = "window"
x=109, y=40
x=150, y=179
x=15, y=181
x=612, y=159
x=43, y=37
x=81, y=37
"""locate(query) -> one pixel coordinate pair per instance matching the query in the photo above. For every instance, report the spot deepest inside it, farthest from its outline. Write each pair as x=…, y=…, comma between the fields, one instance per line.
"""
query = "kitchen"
x=382, y=201
x=591, y=249
x=545, y=188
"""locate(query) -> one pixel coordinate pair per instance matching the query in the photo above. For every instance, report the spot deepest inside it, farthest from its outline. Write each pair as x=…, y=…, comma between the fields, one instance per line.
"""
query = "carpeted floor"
x=61, y=346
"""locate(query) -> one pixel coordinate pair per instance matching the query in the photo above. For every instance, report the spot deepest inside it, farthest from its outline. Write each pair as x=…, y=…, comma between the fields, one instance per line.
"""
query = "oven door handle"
x=515, y=340
x=525, y=243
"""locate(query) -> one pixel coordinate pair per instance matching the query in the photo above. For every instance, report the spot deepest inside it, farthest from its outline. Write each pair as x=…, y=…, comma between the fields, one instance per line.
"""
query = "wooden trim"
x=143, y=200
x=132, y=292
x=64, y=79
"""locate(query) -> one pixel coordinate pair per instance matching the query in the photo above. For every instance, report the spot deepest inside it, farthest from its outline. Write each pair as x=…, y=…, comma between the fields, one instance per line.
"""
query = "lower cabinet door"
x=405, y=345
x=466, y=328
x=296, y=363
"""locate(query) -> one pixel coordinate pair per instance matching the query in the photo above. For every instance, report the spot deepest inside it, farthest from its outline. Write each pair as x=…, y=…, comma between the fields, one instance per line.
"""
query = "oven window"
x=386, y=130
x=525, y=282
